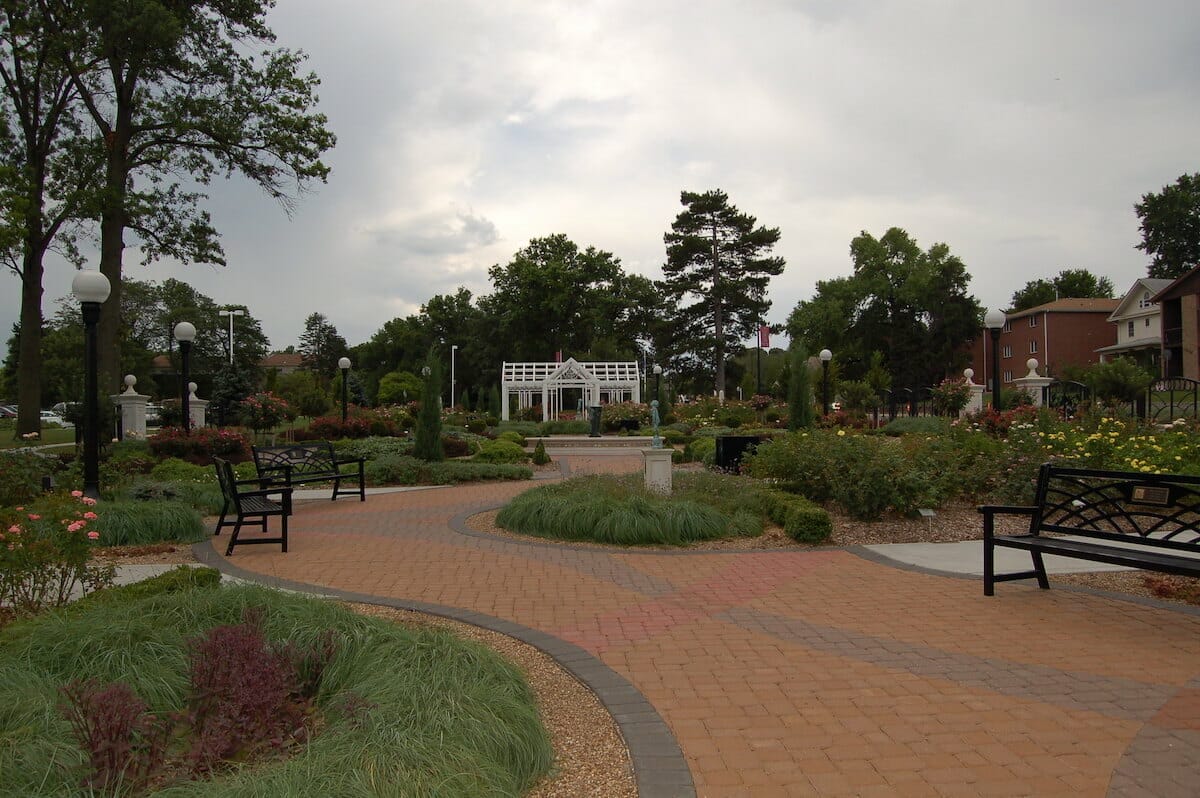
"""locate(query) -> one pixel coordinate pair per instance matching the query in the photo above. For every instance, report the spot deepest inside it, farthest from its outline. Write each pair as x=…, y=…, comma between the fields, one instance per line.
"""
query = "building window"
x=1033, y=321
x=1008, y=376
x=1145, y=302
x=1147, y=321
x=1008, y=326
x=1033, y=347
x=1006, y=351
x=1130, y=329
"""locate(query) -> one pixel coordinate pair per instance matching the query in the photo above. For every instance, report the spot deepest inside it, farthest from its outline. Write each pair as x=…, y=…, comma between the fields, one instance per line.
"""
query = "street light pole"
x=825, y=356
x=231, y=313
x=453, y=349
x=185, y=333
x=658, y=383
x=344, y=365
x=91, y=289
x=994, y=321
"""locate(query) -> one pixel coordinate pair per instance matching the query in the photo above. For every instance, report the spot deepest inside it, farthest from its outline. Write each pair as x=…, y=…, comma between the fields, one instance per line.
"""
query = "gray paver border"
x=659, y=768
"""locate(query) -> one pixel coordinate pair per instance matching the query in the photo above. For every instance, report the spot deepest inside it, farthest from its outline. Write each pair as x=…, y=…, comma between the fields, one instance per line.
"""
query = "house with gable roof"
x=1138, y=319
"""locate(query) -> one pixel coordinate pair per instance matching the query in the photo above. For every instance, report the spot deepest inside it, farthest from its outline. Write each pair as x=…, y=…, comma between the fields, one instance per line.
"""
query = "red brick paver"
x=808, y=673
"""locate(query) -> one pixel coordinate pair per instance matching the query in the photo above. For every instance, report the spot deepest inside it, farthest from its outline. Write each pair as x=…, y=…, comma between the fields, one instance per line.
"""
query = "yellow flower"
x=841, y=433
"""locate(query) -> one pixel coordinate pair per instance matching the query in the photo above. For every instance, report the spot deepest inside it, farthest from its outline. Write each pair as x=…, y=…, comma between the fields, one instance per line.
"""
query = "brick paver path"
x=811, y=672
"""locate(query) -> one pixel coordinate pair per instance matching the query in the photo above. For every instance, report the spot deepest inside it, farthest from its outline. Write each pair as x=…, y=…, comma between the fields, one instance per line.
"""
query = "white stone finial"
x=1032, y=365
x=130, y=381
x=192, y=390
x=970, y=375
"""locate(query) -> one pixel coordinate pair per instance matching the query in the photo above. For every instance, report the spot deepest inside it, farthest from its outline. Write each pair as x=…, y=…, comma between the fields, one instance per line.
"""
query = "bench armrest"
x=990, y=511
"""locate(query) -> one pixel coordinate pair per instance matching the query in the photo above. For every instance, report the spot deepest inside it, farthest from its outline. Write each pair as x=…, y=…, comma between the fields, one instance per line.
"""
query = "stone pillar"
x=658, y=470
x=1032, y=383
x=975, y=402
x=198, y=407
x=132, y=407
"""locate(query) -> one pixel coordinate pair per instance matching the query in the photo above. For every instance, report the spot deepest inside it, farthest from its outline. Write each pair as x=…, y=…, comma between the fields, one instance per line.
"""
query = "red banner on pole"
x=558, y=356
x=764, y=336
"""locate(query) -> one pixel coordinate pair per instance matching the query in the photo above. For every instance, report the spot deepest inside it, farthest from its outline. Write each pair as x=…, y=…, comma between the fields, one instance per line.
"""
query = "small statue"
x=656, y=443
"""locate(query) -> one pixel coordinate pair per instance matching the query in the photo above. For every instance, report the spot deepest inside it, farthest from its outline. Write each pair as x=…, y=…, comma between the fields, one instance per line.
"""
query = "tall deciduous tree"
x=49, y=169
x=554, y=297
x=187, y=89
x=1170, y=224
x=1070, y=283
x=715, y=277
x=911, y=305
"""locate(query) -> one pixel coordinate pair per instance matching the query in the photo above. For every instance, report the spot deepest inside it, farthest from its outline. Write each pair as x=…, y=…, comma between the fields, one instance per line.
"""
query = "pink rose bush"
x=46, y=552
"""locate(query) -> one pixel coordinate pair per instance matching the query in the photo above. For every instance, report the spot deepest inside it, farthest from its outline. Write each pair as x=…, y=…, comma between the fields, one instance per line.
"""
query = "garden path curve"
x=791, y=673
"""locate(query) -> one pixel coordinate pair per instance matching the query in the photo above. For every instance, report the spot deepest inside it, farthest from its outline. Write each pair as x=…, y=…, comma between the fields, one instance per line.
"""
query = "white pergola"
x=599, y=382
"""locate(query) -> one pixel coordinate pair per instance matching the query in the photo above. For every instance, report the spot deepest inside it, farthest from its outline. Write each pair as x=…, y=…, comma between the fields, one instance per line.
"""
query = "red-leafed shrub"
x=124, y=743
x=200, y=445
x=455, y=447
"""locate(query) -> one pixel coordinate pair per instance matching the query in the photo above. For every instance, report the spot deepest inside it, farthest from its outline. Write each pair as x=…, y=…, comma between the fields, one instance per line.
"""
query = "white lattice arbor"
x=598, y=382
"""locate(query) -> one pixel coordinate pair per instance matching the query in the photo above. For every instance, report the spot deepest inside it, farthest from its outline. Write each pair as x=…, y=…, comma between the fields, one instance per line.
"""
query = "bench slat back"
x=311, y=457
x=1152, y=509
x=227, y=480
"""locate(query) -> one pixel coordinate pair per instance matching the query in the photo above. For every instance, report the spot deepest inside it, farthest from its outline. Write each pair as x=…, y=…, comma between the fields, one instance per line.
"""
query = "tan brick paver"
x=807, y=673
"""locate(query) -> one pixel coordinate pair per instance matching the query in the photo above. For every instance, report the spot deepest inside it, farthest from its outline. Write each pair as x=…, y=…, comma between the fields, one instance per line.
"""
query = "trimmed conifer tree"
x=428, y=444
x=800, y=395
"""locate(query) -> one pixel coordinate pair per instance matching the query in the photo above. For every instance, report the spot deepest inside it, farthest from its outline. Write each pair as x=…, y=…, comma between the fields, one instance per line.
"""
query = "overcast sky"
x=1018, y=133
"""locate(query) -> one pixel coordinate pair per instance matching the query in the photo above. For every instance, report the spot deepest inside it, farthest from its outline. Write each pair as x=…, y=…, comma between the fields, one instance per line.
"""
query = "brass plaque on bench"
x=1151, y=494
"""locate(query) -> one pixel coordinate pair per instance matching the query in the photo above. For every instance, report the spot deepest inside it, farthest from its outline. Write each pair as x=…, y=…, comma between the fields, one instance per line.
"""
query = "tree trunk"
x=112, y=246
x=718, y=320
x=29, y=352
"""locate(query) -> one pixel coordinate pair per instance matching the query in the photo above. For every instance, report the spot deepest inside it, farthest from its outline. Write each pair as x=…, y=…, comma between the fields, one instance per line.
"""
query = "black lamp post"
x=658, y=383
x=185, y=333
x=344, y=365
x=91, y=289
x=994, y=321
x=825, y=356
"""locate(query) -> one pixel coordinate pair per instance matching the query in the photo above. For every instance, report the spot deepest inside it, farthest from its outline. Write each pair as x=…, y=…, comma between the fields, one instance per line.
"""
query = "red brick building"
x=1180, y=303
x=1065, y=332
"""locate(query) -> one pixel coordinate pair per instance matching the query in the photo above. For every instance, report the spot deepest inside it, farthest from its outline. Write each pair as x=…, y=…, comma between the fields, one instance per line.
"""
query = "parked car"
x=153, y=414
x=50, y=417
x=8, y=411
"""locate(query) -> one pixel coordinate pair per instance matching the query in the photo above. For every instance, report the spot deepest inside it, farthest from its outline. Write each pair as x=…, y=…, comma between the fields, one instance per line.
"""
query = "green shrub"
x=916, y=425
x=539, y=454
x=513, y=436
x=373, y=447
x=175, y=470
x=21, y=475
x=477, y=425
x=701, y=450
x=177, y=580
x=200, y=445
x=524, y=428
x=501, y=451
x=124, y=523
x=564, y=428
x=402, y=470
x=802, y=520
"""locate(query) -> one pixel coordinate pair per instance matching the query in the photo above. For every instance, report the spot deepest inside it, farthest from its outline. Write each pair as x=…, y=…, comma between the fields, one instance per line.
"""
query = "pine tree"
x=716, y=277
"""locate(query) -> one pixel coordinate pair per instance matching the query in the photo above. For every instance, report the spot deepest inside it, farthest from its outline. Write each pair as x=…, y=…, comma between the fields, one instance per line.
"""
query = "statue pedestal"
x=1032, y=383
x=132, y=407
x=658, y=470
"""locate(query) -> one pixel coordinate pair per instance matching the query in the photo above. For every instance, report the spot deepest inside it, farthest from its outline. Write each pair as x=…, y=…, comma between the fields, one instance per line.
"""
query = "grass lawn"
x=49, y=436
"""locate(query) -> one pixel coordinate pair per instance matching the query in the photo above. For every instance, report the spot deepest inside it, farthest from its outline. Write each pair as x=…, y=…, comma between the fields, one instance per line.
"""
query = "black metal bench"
x=251, y=507
x=312, y=461
x=1148, y=521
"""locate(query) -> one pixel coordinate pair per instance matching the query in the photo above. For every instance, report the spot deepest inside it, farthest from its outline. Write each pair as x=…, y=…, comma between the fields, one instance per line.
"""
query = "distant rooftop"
x=1069, y=306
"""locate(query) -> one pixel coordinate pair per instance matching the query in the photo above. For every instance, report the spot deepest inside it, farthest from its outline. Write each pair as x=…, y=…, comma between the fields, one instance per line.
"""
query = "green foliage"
x=373, y=447
x=950, y=397
x=401, y=470
x=397, y=705
x=512, y=436
x=200, y=445
x=1118, y=380
x=429, y=419
x=704, y=282
x=21, y=475
x=398, y=387
x=501, y=451
x=613, y=416
x=857, y=395
x=1170, y=226
x=178, y=580
x=916, y=425
x=264, y=411
x=124, y=523
x=908, y=304
x=202, y=495
x=45, y=548
x=304, y=393
x=539, y=454
x=701, y=450
x=800, y=395
x=562, y=428
x=1076, y=283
